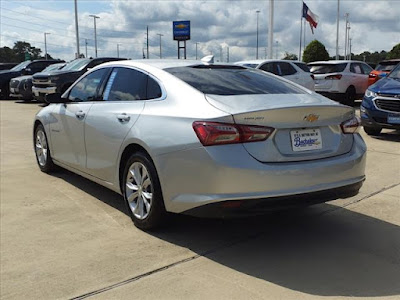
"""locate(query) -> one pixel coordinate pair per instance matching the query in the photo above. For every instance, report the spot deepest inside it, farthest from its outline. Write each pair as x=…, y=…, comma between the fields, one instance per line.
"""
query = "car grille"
x=388, y=105
x=14, y=83
x=41, y=81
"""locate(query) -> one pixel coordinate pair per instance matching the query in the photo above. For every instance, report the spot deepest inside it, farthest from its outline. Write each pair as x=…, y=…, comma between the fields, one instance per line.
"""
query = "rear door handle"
x=80, y=114
x=123, y=118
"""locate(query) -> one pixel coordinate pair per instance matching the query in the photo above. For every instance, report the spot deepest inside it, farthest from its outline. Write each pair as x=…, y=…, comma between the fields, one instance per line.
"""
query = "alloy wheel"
x=139, y=190
x=41, y=147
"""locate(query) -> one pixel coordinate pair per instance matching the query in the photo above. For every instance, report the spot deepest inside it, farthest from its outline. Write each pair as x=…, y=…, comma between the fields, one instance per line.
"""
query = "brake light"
x=334, y=77
x=213, y=133
x=372, y=75
x=351, y=126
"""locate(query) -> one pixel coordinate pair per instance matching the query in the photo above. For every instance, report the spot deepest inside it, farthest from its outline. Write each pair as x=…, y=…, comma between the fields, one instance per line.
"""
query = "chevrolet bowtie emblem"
x=311, y=118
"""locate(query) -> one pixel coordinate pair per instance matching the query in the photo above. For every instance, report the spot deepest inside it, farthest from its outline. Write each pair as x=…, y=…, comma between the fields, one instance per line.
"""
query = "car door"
x=68, y=119
x=110, y=120
x=359, y=79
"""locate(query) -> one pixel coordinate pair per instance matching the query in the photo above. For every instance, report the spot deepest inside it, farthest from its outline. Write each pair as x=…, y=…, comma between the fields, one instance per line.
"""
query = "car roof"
x=260, y=61
x=333, y=62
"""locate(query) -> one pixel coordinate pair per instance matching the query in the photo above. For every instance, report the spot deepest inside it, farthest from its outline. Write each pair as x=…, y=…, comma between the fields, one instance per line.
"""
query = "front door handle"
x=123, y=118
x=80, y=114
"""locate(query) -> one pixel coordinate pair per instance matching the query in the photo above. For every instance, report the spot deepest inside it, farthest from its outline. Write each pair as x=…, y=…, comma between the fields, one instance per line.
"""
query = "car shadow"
x=322, y=250
x=388, y=135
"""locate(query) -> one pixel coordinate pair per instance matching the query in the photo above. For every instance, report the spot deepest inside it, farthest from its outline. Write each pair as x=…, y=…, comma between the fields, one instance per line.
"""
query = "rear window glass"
x=302, y=66
x=230, y=80
x=327, y=68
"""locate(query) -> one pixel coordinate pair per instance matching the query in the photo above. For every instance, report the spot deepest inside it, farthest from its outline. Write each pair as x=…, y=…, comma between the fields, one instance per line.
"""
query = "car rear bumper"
x=225, y=173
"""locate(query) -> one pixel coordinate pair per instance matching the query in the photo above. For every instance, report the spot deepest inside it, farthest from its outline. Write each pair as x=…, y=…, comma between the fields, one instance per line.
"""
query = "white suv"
x=341, y=80
x=295, y=71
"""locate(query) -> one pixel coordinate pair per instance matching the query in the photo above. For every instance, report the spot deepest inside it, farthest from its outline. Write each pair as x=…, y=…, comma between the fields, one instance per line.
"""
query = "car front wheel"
x=142, y=192
x=42, y=150
x=372, y=130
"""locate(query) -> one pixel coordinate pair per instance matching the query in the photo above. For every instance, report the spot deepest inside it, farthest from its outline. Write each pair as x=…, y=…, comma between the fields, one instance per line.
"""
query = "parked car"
x=7, y=66
x=295, y=71
x=384, y=67
x=191, y=137
x=341, y=80
x=25, y=68
x=380, y=107
x=21, y=87
x=59, y=81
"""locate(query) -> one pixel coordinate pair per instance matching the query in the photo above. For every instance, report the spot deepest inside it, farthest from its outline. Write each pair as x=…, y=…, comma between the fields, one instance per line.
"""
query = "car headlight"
x=370, y=94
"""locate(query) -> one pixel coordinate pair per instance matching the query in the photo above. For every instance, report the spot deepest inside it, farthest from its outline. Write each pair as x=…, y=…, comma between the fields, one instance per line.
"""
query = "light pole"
x=271, y=29
x=95, y=33
x=257, y=12
x=346, y=38
x=77, y=30
x=86, y=48
x=196, y=49
x=159, y=34
x=45, y=45
x=337, y=31
x=118, y=49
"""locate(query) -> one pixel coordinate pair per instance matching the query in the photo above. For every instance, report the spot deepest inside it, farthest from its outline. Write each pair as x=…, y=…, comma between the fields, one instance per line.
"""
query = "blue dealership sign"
x=181, y=30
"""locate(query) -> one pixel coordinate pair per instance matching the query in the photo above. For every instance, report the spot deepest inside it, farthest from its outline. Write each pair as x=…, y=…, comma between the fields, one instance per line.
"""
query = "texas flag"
x=310, y=17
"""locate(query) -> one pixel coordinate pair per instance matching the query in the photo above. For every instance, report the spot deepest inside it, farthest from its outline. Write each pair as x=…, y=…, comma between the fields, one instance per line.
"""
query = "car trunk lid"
x=307, y=127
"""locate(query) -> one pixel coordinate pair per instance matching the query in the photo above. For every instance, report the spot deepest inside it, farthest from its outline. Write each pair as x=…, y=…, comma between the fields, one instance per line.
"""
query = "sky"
x=218, y=26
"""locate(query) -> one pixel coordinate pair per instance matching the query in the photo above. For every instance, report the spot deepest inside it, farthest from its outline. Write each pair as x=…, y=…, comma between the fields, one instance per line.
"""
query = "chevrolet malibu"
x=202, y=139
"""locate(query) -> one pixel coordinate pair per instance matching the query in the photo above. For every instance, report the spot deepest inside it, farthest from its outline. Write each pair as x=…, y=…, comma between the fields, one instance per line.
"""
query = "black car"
x=21, y=87
x=46, y=83
x=7, y=66
x=25, y=68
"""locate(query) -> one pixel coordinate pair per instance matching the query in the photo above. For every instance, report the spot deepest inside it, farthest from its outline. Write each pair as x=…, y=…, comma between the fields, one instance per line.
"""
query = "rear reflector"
x=213, y=133
x=335, y=77
x=351, y=126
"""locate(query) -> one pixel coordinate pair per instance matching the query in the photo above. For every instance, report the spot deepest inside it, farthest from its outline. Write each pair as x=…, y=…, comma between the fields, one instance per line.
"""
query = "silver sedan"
x=203, y=139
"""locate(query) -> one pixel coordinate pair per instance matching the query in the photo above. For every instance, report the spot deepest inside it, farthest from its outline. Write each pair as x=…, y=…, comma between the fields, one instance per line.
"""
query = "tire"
x=42, y=151
x=372, y=130
x=142, y=192
x=350, y=96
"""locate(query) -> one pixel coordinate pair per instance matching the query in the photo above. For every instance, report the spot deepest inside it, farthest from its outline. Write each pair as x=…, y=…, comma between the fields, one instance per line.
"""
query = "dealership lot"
x=63, y=237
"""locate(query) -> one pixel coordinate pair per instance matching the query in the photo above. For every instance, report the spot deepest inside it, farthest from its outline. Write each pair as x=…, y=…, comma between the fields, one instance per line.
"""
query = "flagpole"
x=301, y=28
x=304, y=35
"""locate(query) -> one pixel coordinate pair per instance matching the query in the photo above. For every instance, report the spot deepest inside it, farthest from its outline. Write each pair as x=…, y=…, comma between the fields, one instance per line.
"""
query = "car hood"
x=386, y=86
x=54, y=73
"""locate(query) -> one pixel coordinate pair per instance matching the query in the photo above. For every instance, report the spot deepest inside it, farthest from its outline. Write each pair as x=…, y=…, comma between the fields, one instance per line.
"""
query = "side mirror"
x=27, y=71
x=55, y=98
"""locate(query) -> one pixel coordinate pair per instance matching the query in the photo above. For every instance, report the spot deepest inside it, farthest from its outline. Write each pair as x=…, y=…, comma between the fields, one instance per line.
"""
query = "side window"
x=270, y=67
x=87, y=88
x=367, y=69
x=153, y=89
x=287, y=69
x=126, y=84
x=356, y=68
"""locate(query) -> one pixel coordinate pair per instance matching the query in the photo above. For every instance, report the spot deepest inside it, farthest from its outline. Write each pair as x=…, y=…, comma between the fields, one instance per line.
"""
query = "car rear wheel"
x=350, y=96
x=142, y=192
x=42, y=150
x=372, y=130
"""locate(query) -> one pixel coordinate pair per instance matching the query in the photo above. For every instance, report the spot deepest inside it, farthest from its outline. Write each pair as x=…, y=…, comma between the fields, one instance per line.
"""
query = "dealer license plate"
x=306, y=139
x=394, y=118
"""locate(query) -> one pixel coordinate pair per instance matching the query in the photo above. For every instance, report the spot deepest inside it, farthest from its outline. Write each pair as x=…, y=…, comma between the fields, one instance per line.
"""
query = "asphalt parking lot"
x=65, y=237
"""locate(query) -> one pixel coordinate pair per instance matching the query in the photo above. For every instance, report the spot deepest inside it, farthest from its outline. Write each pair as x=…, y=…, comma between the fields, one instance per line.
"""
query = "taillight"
x=335, y=77
x=213, y=133
x=372, y=75
x=312, y=76
x=351, y=126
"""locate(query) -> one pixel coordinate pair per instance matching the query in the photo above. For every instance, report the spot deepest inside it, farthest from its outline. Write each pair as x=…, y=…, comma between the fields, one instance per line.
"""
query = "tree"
x=7, y=55
x=290, y=56
x=315, y=51
x=394, y=53
x=20, y=48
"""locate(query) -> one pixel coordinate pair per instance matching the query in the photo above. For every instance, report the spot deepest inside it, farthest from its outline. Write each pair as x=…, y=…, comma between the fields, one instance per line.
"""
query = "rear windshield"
x=303, y=66
x=231, y=80
x=327, y=68
x=386, y=66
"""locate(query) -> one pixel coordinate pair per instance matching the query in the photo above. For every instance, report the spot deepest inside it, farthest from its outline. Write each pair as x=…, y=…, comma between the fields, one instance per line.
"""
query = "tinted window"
x=327, y=68
x=286, y=69
x=126, y=84
x=77, y=64
x=230, y=80
x=38, y=66
x=86, y=89
x=270, y=67
x=395, y=74
x=153, y=89
x=356, y=68
x=302, y=66
x=21, y=66
x=386, y=66
x=366, y=69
